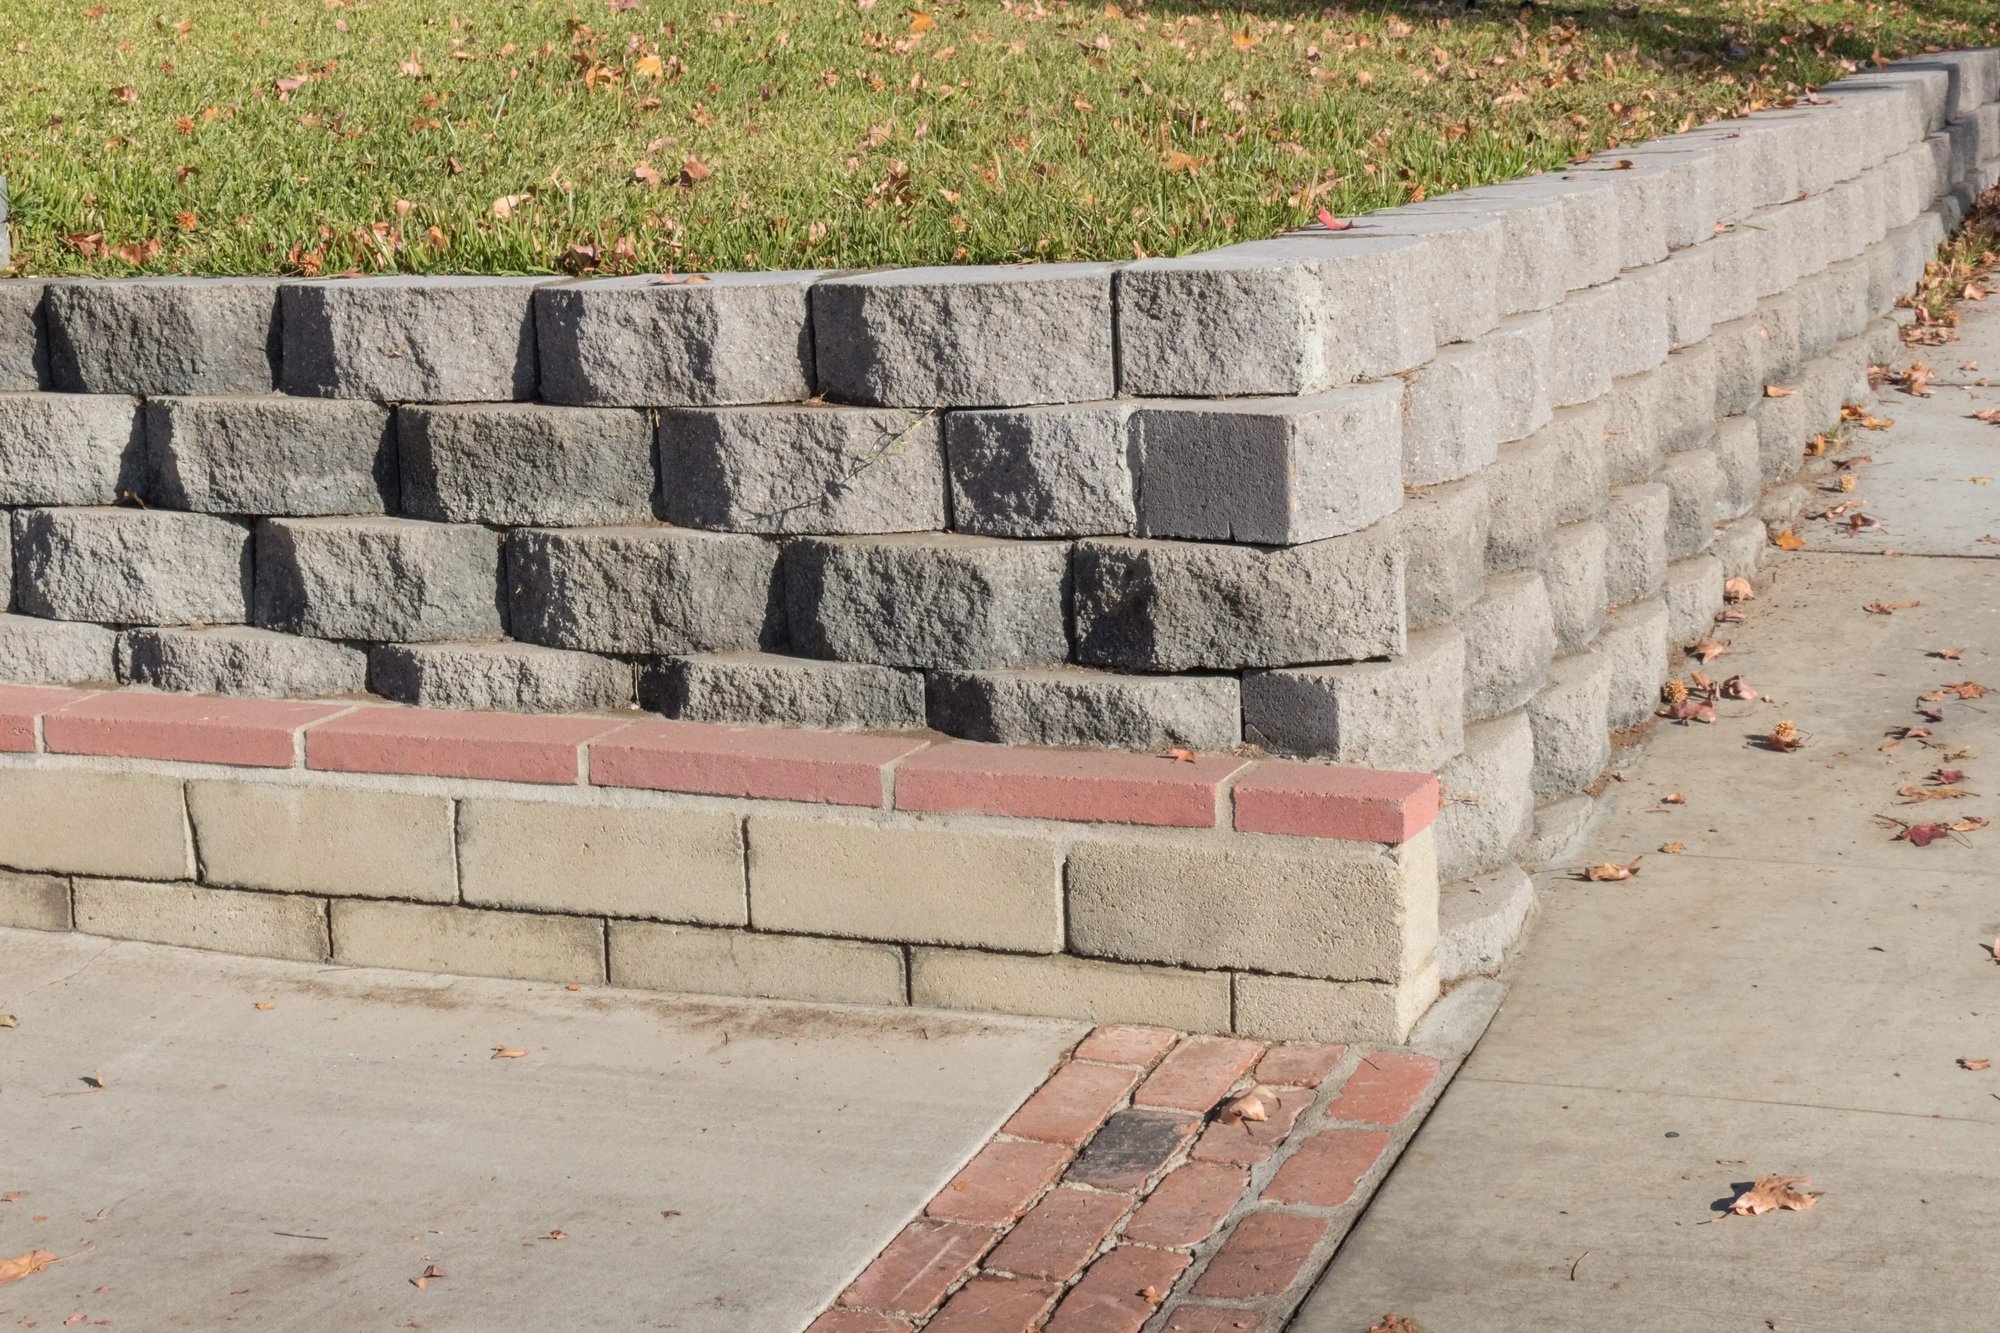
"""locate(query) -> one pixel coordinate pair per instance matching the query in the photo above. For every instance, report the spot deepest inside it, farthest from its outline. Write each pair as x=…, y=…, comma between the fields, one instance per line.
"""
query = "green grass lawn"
x=325, y=136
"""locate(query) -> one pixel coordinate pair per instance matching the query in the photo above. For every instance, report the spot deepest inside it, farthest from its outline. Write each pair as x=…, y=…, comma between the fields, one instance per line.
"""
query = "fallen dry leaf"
x=1673, y=848
x=1179, y=756
x=266, y=1005
x=1979, y=481
x=430, y=1271
x=1789, y=541
x=1946, y=654
x=1738, y=688
x=25, y=1265
x=1611, y=870
x=1772, y=1193
x=9, y=1021
x=1332, y=223
x=1673, y=798
x=1947, y=776
x=1888, y=608
x=1975, y=1065
x=1252, y=1105
x=1708, y=650
x=1775, y=391
x=1786, y=737
x=1691, y=710
x=1738, y=590
x=507, y=1053
x=1395, y=1323
x=557, y=1234
x=1967, y=689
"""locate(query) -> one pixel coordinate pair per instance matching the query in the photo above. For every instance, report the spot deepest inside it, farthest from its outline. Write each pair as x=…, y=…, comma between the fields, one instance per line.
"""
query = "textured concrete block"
x=34, y=902
x=1521, y=517
x=424, y=938
x=1784, y=425
x=196, y=917
x=1489, y=801
x=69, y=449
x=1524, y=353
x=236, y=659
x=377, y=578
x=1779, y=319
x=1509, y=637
x=1341, y=911
x=1278, y=471
x=1268, y=309
x=938, y=884
x=1461, y=252
x=1636, y=522
x=1739, y=365
x=1575, y=575
x=965, y=337
x=771, y=690
x=1581, y=478
x=1641, y=331
x=1534, y=240
x=131, y=566
x=738, y=962
x=269, y=456
x=1375, y=304
x=803, y=469
x=960, y=601
x=1632, y=437
x=1740, y=546
x=71, y=821
x=24, y=349
x=410, y=339
x=594, y=860
x=324, y=840
x=1299, y=1009
x=1693, y=594
x=1585, y=327
x=1451, y=425
x=1480, y=921
x=1404, y=713
x=1667, y=185
x=1062, y=987
x=1570, y=718
x=163, y=335
x=512, y=677
x=1049, y=471
x=1587, y=249
x=1443, y=534
x=1690, y=290
x=1740, y=258
x=1687, y=381
x=56, y=652
x=649, y=341
x=1180, y=606
x=525, y=463
x=1078, y=706
x=1634, y=642
x=641, y=590
x=1695, y=499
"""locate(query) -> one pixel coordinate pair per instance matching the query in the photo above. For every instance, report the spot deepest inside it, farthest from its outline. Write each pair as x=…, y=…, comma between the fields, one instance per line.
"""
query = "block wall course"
x=525, y=464
x=269, y=456
x=163, y=335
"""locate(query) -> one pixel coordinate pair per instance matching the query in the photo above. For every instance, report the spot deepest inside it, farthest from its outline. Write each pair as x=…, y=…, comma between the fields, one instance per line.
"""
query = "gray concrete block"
x=1784, y=425
x=1634, y=641
x=1080, y=706
x=1509, y=638
x=525, y=464
x=704, y=340
x=770, y=690
x=377, y=579
x=131, y=566
x=1276, y=471
x=1480, y=921
x=1641, y=332
x=1375, y=300
x=1740, y=546
x=1693, y=595
x=1686, y=401
x=24, y=348
x=69, y=449
x=1586, y=329
x=1050, y=471
x=1822, y=299
x=985, y=336
x=1574, y=576
x=1461, y=252
x=1443, y=534
x=163, y=335
x=1523, y=357
x=811, y=468
x=693, y=960
x=1740, y=258
x=411, y=339
x=195, y=916
x=957, y=601
x=1633, y=440
x=1534, y=238
x=1180, y=606
x=1589, y=251
x=1489, y=799
x=1521, y=516
x=270, y=456
x=1570, y=719
x=1695, y=487
x=1636, y=522
x=1558, y=832
x=1739, y=365
x=1690, y=286
x=1451, y=423
x=1582, y=477
x=650, y=589
x=1779, y=319
x=1404, y=713
x=6, y=563
x=1267, y=309
x=34, y=902
x=1668, y=185
x=56, y=652
x=237, y=659
x=1783, y=506
x=510, y=677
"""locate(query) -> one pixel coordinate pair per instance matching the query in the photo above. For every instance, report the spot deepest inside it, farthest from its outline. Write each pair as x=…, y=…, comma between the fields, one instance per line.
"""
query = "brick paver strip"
x=1058, y=1236
x=1326, y=1167
x=21, y=705
x=1119, y=1293
x=995, y=1305
x=1299, y=1065
x=1072, y=1104
x=1121, y=1044
x=1214, y=1319
x=1131, y=1149
x=1188, y=1205
x=1198, y=1072
x=1096, y=786
x=1326, y=801
x=918, y=1267
x=999, y=1183
x=858, y=1321
x=1262, y=1256
x=1248, y=1142
x=768, y=763
x=436, y=743
x=1385, y=1087
x=255, y=733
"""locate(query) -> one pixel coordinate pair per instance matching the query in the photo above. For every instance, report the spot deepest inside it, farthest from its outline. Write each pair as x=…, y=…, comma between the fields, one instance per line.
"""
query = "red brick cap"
x=499, y=747
x=1328, y=801
x=22, y=705
x=1095, y=786
x=137, y=724
x=770, y=763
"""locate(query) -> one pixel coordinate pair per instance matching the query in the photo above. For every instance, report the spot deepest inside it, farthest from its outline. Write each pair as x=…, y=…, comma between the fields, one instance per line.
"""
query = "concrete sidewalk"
x=1791, y=995
x=647, y=1161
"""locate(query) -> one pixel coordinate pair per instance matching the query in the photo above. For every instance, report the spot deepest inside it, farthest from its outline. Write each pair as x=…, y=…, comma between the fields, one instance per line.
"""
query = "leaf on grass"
x=507, y=1053
x=504, y=206
x=1773, y=1194
x=25, y=1265
x=1612, y=871
x=1888, y=608
x=1332, y=223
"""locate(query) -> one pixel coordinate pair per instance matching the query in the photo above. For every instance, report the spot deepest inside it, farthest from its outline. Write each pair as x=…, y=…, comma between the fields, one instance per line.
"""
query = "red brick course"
x=22, y=705
x=1384, y=1088
x=1188, y=1205
x=1326, y=801
x=1097, y=786
x=1298, y=1066
x=918, y=1267
x=1262, y=1256
x=1248, y=1142
x=995, y=1305
x=1119, y=1293
x=252, y=733
x=768, y=763
x=1326, y=1167
x=1072, y=1104
x=998, y=1184
x=858, y=1321
x=1123, y=1044
x=1059, y=1235
x=500, y=747
x=1198, y=1073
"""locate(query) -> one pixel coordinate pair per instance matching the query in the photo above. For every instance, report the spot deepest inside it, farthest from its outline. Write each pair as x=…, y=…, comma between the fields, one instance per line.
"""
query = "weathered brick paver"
x=1123, y=1044
x=1072, y=1104
x=1060, y=1234
x=1120, y=1292
x=1131, y=1148
x=1384, y=1088
x=1298, y=1066
x=1188, y=1205
x=858, y=1321
x=995, y=1305
x=999, y=1183
x=917, y=1268
x=1198, y=1072
x=1326, y=1168
x=1262, y=1256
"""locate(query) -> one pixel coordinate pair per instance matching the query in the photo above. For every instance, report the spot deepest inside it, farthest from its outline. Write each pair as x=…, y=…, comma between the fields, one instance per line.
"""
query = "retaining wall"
x=1441, y=492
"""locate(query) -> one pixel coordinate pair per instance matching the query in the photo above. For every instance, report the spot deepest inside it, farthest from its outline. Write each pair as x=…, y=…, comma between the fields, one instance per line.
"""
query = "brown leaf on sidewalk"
x=1778, y=391
x=25, y=1265
x=1786, y=737
x=507, y=1053
x=1945, y=777
x=430, y=1271
x=1967, y=689
x=1692, y=710
x=1673, y=848
x=1789, y=541
x=1738, y=590
x=1912, y=795
x=1395, y=1323
x=1612, y=871
x=1888, y=608
x=9, y=1021
x=1774, y=1193
x=1948, y=654
x=1673, y=798
x=1738, y=688
x=1975, y=1065
x=1708, y=650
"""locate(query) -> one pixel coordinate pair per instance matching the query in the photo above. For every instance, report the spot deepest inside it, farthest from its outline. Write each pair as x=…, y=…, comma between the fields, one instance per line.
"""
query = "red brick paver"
x=1298, y=1066
x=1098, y=786
x=1198, y=1073
x=1214, y=1319
x=1072, y=1104
x=916, y=1269
x=1248, y=1142
x=501, y=747
x=1060, y=1234
x=1120, y=1292
x=21, y=705
x=255, y=733
x=995, y=1305
x=1188, y=1205
x=1326, y=1167
x=858, y=1321
x=770, y=763
x=1262, y=1256
x=1121, y=1044
x=1384, y=1088
x=999, y=1183
x=1132, y=1148
x=1327, y=801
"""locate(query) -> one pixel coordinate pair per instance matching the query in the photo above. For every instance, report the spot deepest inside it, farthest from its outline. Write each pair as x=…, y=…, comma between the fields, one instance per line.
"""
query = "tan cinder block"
x=34, y=902
x=673, y=865
x=1343, y=911
x=1295, y=1009
x=462, y=939
x=934, y=884
x=741, y=962
x=74, y=822
x=198, y=917
x=317, y=839
x=1070, y=988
